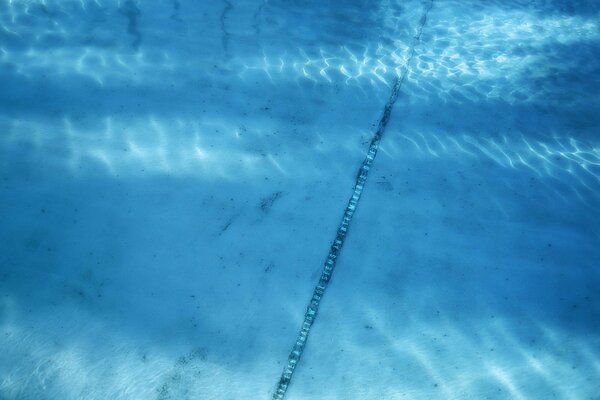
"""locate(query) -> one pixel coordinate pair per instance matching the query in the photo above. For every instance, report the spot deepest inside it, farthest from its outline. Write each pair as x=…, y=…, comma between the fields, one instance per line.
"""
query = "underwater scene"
x=269, y=199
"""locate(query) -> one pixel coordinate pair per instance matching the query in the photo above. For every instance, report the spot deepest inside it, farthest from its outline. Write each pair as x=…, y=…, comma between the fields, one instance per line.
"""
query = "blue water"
x=175, y=175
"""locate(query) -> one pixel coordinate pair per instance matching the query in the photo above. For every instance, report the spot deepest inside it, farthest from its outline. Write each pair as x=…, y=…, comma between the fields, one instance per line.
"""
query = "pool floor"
x=179, y=179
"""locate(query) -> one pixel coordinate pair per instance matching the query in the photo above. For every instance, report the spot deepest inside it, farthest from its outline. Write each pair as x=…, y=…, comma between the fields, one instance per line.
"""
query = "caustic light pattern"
x=176, y=176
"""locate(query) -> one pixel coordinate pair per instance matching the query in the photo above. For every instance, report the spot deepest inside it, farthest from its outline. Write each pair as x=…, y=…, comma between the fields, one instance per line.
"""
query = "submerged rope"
x=336, y=247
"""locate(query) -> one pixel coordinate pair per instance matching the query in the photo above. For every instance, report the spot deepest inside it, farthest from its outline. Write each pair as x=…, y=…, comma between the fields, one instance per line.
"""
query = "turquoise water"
x=175, y=175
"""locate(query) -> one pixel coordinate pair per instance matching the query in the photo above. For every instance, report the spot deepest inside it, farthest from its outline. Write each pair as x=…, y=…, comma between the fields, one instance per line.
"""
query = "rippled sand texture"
x=173, y=174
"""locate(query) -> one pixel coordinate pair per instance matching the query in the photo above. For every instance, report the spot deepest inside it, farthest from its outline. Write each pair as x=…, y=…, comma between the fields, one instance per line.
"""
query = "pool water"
x=176, y=176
